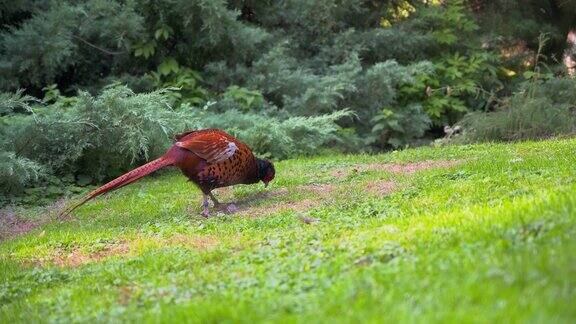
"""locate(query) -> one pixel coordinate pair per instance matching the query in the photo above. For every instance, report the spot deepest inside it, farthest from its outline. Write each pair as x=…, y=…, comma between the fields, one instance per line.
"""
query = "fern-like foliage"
x=543, y=109
x=18, y=172
x=15, y=102
x=97, y=136
x=279, y=138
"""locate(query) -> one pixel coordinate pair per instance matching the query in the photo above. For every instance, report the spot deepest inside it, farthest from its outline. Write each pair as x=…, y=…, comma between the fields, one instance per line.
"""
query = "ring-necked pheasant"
x=210, y=158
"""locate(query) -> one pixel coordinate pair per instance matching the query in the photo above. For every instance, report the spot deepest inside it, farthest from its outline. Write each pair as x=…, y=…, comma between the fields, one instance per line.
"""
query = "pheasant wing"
x=214, y=147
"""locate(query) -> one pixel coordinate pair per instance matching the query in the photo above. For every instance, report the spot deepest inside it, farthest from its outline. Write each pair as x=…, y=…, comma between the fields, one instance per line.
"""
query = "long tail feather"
x=123, y=180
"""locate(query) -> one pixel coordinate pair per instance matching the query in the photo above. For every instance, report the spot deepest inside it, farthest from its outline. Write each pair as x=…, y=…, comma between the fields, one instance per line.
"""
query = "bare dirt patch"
x=264, y=195
x=316, y=192
x=197, y=242
x=319, y=189
x=300, y=205
x=12, y=225
x=69, y=259
x=77, y=257
x=398, y=168
x=380, y=188
x=247, y=206
x=410, y=168
x=244, y=205
x=225, y=194
x=125, y=295
x=343, y=172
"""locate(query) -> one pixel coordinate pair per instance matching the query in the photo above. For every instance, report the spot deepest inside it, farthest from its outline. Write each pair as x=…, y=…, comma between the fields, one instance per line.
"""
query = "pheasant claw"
x=205, y=213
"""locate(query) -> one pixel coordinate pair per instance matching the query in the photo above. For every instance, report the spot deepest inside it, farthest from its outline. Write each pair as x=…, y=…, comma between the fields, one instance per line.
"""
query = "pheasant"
x=210, y=158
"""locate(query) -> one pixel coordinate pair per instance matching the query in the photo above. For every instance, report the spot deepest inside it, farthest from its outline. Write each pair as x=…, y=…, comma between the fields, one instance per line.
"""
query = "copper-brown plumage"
x=210, y=158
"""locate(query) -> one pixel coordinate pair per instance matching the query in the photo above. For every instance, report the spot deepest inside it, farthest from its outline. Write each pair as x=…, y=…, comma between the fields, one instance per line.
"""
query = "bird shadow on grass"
x=280, y=200
x=255, y=198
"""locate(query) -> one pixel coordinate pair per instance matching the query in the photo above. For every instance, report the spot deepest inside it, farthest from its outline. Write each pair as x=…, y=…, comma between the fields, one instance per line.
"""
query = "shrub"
x=543, y=109
x=398, y=128
x=242, y=98
x=278, y=138
x=391, y=119
x=97, y=137
x=18, y=172
x=94, y=138
x=11, y=103
x=290, y=58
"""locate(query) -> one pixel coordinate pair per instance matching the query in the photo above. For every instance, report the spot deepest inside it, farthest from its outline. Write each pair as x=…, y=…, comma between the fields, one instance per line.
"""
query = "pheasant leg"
x=205, y=210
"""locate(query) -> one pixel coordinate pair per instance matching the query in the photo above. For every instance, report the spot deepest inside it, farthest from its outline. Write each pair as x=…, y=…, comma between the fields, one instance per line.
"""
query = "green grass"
x=491, y=239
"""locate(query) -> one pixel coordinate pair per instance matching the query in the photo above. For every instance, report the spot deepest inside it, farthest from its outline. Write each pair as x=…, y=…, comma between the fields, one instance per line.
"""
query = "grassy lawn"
x=480, y=233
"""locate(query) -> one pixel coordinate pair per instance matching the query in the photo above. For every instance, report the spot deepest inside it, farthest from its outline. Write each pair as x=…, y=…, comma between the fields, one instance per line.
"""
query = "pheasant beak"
x=265, y=184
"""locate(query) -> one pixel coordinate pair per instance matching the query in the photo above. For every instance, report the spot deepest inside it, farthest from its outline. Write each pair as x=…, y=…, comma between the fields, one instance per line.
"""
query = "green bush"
x=278, y=138
x=101, y=136
x=12, y=103
x=18, y=172
x=403, y=67
x=95, y=138
x=389, y=118
x=543, y=109
x=243, y=99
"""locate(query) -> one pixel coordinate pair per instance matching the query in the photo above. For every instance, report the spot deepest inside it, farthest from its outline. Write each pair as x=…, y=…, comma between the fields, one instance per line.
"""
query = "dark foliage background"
x=92, y=88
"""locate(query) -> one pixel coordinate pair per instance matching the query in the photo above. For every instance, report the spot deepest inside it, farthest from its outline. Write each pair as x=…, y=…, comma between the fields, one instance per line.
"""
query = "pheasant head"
x=266, y=171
